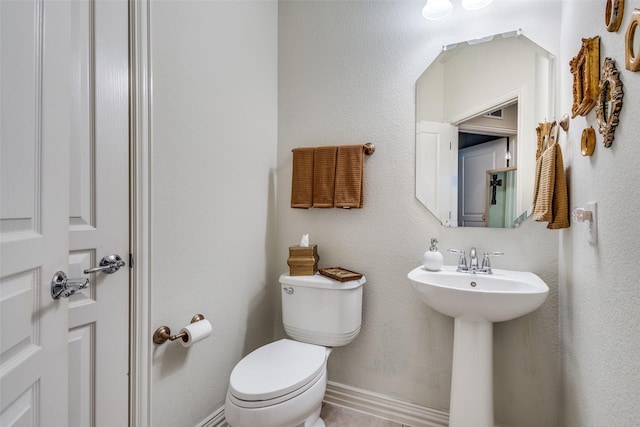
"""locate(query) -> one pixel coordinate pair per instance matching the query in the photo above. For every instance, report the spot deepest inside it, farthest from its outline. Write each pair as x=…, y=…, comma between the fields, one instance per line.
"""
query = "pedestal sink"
x=476, y=301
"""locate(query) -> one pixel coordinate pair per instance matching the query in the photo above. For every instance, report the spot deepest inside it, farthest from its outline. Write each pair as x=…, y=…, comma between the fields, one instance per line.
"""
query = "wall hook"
x=564, y=123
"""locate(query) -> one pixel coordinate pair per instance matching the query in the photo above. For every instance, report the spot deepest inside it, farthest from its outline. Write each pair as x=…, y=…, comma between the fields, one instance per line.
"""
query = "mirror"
x=477, y=108
x=610, y=101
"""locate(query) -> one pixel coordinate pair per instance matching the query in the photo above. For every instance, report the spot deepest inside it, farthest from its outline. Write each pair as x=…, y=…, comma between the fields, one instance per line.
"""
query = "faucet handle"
x=462, y=259
x=486, y=264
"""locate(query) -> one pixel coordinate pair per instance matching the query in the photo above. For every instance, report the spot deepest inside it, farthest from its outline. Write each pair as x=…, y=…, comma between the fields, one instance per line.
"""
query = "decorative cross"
x=494, y=183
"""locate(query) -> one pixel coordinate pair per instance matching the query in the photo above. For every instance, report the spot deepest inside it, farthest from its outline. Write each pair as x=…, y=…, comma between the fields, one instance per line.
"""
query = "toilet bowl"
x=278, y=385
x=282, y=384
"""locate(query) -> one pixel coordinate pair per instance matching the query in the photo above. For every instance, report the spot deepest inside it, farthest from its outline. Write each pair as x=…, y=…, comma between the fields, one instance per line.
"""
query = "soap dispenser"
x=432, y=259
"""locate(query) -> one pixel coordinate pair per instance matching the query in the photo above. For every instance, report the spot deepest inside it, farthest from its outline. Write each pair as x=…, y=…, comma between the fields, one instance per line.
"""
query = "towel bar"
x=369, y=148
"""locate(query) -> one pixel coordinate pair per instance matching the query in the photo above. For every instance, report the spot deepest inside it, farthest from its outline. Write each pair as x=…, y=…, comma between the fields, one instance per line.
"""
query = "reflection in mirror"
x=501, y=202
x=605, y=98
x=477, y=108
x=636, y=43
x=485, y=142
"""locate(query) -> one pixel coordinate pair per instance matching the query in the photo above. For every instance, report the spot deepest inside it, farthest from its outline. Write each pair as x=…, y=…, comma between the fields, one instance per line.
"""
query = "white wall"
x=214, y=137
x=347, y=73
x=599, y=293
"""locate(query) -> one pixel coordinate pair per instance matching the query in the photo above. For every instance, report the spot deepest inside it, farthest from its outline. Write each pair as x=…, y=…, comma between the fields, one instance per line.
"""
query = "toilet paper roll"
x=195, y=332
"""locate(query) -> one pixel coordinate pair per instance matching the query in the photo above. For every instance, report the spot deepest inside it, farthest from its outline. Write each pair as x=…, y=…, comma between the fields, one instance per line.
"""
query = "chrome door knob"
x=63, y=287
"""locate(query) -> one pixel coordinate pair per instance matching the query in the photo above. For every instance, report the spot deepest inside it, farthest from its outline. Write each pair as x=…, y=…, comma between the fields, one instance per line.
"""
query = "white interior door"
x=99, y=214
x=437, y=169
x=473, y=164
x=35, y=122
x=64, y=205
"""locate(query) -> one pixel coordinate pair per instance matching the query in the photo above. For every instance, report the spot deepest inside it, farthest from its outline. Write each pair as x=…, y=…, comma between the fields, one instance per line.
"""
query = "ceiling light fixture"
x=438, y=9
x=475, y=4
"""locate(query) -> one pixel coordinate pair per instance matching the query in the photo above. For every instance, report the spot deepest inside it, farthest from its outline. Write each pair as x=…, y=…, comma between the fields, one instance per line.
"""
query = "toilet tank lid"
x=320, y=281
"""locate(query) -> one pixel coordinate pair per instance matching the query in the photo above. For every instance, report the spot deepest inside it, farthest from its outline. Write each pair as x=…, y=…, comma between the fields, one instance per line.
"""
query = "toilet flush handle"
x=288, y=289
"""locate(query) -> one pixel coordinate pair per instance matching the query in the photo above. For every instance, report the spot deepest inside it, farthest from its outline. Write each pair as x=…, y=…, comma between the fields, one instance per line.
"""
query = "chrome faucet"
x=473, y=260
x=473, y=267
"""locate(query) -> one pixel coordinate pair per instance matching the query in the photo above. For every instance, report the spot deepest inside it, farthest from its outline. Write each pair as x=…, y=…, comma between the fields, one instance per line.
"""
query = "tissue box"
x=303, y=261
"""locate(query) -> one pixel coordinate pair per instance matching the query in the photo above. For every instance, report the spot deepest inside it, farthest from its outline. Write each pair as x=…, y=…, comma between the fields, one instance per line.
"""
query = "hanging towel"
x=350, y=177
x=542, y=132
x=302, y=178
x=324, y=176
x=551, y=202
x=560, y=205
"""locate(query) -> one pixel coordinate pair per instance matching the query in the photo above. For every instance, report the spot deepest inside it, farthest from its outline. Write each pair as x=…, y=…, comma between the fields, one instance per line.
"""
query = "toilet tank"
x=322, y=311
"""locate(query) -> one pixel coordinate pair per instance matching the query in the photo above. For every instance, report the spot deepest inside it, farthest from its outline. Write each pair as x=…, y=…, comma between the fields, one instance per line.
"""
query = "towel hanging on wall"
x=331, y=176
x=302, y=178
x=349, y=177
x=324, y=176
x=551, y=200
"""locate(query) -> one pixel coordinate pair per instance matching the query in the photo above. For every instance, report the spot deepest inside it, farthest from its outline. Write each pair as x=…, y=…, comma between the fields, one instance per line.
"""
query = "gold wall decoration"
x=632, y=52
x=588, y=142
x=609, y=101
x=585, y=67
x=613, y=14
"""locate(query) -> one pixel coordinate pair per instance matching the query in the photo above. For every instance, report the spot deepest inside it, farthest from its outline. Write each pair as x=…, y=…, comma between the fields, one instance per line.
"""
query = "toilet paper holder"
x=163, y=333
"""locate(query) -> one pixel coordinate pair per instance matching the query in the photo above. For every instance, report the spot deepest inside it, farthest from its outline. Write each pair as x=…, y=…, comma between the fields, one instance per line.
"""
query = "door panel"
x=99, y=213
x=473, y=165
x=437, y=169
x=35, y=118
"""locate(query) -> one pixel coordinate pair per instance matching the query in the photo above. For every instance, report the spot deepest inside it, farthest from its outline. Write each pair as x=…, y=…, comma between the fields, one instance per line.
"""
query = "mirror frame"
x=610, y=89
x=588, y=141
x=632, y=61
x=613, y=14
x=585, y=67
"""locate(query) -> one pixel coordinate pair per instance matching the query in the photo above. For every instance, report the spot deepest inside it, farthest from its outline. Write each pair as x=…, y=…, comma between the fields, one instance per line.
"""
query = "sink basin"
x=503, y=295
x=476, y=301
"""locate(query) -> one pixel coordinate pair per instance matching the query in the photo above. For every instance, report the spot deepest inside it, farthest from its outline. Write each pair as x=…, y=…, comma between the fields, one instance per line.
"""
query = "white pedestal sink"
x=476, y=301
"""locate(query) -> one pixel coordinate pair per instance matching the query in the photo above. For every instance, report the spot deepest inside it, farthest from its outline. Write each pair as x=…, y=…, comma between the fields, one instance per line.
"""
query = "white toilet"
x=282, y=384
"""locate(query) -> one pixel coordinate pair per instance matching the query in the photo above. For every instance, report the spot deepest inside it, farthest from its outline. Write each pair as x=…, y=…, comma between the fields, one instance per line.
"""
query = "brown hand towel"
x=552, y=201
x=302, y=178
x=543, y=132
x=350, y=177
x=324, y=176
x=560, y=206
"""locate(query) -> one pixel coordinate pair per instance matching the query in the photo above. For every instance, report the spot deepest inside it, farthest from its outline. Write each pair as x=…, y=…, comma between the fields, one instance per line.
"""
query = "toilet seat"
x=276, y=372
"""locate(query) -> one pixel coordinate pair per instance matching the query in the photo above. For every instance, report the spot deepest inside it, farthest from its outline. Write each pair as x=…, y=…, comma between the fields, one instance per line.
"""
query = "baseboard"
x=367, y=402
x=384, y=406
x=215, y=420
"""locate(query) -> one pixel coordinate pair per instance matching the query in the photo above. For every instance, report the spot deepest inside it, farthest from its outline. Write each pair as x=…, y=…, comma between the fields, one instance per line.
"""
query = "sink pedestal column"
x=472, y=377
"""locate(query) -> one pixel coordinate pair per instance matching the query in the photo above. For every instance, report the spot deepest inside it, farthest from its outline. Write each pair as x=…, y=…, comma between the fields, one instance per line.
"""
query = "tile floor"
x=337, y=416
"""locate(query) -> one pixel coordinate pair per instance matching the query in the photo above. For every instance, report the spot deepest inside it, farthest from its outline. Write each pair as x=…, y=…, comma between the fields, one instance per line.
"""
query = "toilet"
x=282, y=384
